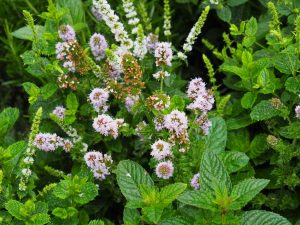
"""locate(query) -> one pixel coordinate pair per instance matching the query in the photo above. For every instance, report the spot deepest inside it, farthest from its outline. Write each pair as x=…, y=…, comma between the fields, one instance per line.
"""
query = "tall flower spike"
x=112, y=21
x=167, y=18
x=195, y=31
x=140, y=45
x=131, y=15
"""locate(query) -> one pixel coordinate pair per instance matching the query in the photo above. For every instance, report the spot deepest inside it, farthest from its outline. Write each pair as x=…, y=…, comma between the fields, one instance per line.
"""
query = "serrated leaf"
x=14, y=153
x=224, y=13
x=233, y=3
x=8, y=118
x=234, y=161
x=292, y=84
x=291, y=131
x=251, y=27
x=246, y=190
x=72, y=102
x=242, y=72
x=60, y=213
x=13, y=207
x=201, y=199
x=258, y=146
x=130, y=176
x=286, y=63
x=248, y=100
x=177, y=220
x=215, y=141
x=25, y=33
x=261, y=217
x=263, y=111
x=213, y=171
x=39, y=219
x=96, y=222
x=63, y=189
x=48, y=90
x=238, y=122
x=87, y=193
x=170, y=192
x=246, y=58
x=131, y=216
x=153, y=213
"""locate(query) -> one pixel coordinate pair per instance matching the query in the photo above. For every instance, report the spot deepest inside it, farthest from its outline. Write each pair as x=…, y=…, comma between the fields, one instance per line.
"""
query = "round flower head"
x=59, y=112
x=196, y=87
x=161, y=149
x=164, y=170
x=98, y=98
x=107, y=126
x=67, y=145
x=176, y=122
x=151, y=42
x=159, y=123
x=98, y=44
x=195, y=181
x=47, y=142
x=66, y=33
x=297, y=111
x=163, y=54
x=130, y=101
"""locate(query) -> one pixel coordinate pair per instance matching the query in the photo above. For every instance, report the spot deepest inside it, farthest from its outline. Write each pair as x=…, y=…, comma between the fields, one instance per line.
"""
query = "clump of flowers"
x=59, y=112
x=161, y=149
x=131, y=14
x=50, y=142
x=161, y=75
x=176, y=122
x=96, y=13
x=130, y=101
x=98, y=98
x=158, y=101
x=66, y=80
x=98, y=44
x=204, y=123
x=99, y=164
x=66, y=33
x=163, y=54
x=151, y=42
x=164, y=170
x=297, y=111
x=107, y=126
x=195, y=181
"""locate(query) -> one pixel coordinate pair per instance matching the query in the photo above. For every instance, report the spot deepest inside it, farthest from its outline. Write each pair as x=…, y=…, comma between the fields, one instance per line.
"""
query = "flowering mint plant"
x=117, y=128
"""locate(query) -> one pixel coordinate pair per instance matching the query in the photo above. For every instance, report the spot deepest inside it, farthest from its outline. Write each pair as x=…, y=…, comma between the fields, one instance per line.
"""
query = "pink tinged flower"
x=98, y=98
x=161, y=149
x=196, y=87
x=107, y=126
x=163, y=54
x=98, y=45
x=176, y=122
x=66, y=33
x=204, y=123
x=297, y=111
x=151, y=42
x=67, y=145
x=164, y=170
x=96, y=13
x=195, y=181
x=130, y=101
x=159, y=123
x=59, y=112
x=47, y=142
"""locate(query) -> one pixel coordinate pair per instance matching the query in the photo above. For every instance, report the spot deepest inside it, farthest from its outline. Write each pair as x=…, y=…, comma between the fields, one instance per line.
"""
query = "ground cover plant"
x=124, y=132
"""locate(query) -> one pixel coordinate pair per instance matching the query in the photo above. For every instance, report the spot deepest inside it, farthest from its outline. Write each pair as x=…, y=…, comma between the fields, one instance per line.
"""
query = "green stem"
x=31, y=7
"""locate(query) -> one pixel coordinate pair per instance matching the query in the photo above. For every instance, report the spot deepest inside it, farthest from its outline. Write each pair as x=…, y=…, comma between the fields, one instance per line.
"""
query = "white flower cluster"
x=112, y=21
x=99, y=164
x=59, y=112
x=50, y=142
x=63, y=53
x=98, y=98
x=161, y=75
x=176, y=122
x=161, y=150
x=151, y=42
x=107, y=126
x=131, y=14
x=163, y=54
x=140, y=45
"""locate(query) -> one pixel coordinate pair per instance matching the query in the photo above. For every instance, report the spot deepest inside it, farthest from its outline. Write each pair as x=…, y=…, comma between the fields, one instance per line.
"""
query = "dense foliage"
x=137, y=118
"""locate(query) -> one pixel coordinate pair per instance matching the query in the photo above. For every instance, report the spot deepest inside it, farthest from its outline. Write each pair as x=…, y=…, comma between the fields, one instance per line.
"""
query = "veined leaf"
x=170, y=192
x=261, y=217
x=217, y=137
x=234, y=160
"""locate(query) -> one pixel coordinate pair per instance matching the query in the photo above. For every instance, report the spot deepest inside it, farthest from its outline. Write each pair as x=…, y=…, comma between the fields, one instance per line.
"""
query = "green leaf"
x=233, y=3
x=238, y=122
x=263, y=111
x=234, y=160
x=13, y=153
x=248, y=100
x=60, y=213
x=130, y=176
x=72, y=102
x=32, y=90
x=177, y=102
x=246, y=190
x=291, y=131
x=251, y=27
x=14, y=207
x=170, y=192
x=131, y=216
x=63, y=189
x=216, y=139
x=242, y=72
x=153, y=213
x=258, y=146
x=246, y=58
x=48, y=90
x=8, y=118
x=248, y=41
x=39, y=219
x=224, y=14
x=76, y=10
x=260, y=217
x=212, y=172
x=286, y=63
x=25, y=33
x=96, y=222
x=177, y=220
x=292, y=84
x=201, y=199
x=87, y=193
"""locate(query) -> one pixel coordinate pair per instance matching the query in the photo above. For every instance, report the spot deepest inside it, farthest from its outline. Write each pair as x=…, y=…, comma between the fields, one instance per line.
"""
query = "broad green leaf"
x=201, y=199
x=14, y=152
x=60, y=213
x=215, y=141
x=177, y=220
x=63, y=189
x=48, y=90
x=263, y=111
x=72, y=102
x=25, y=33
x=153, y=213
x=224, y=14
x=238, y=122
x=292, y=84
x=246, y=58
x=14, y=207
x=258, y=146
x=76, y=10
x=234, y=161
x=131, y=216
x=87, y=193
x=213, y=171
x=39, y=219
x=130, y=176
x=96, y=222
x=177, y=102
x=246, y=190
x=32, y=90
x=286, y=63
x=233, y=3
x=8, y=118
x=242, y=72
x=261, y=217
x=170, y=192
x=251, y=27
x=291, y=131
x=238, y=140
x=248, y=100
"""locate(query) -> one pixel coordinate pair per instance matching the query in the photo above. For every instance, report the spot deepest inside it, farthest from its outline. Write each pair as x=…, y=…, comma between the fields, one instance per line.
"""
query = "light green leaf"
x=242, y=72
x=291, y=131
x=48, y=90
x=25, y=33
x=72, y=102
x=130, y=176
x=96, y=222
x=251, y=27
x=213, y=171
x=153, y=213
x=261, y=217
x=170, y=192
x=87, y=193
x=13, y=207
x=233, y=3
x=248, y=100
x=201, y=199
x=246, y=190
x=234, y=160
x=63, y=189
x=177, y=220
x=39, y=219
x=216, y=139
x=286, y=63
x=60, y=213
x=263, y=111
x=292, y=84
x=131, y=216
x=246, y=58
x=8, y=118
